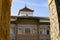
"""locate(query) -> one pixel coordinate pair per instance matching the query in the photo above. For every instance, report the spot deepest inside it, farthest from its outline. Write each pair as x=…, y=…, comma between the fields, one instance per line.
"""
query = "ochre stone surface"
x=54, y=23
x=5, y=6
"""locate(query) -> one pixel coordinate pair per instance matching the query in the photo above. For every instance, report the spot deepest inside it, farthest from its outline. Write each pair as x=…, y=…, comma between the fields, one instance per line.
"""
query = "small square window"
x=20, y=30
x=12, y=31
x=27, y=30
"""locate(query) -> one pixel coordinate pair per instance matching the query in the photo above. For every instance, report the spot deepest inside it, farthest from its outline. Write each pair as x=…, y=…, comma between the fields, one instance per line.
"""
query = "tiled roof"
x=26, y=9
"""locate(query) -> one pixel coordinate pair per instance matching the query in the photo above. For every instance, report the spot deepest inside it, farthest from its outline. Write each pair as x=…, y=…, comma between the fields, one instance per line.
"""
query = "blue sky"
x=40, y=7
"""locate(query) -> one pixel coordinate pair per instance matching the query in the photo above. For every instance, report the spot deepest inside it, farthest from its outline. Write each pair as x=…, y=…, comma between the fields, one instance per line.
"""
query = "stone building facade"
x=25, y=26
x=54, y=8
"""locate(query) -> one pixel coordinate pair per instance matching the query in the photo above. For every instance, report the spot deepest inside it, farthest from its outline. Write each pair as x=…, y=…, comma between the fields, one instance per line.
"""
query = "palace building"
x=25, y=26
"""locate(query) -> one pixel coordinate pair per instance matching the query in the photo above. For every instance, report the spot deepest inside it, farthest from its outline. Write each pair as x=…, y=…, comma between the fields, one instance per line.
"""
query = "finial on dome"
x=25, y=5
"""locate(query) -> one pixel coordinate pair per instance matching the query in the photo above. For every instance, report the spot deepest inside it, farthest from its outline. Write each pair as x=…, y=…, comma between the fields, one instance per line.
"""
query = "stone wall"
x=33, y=34
x=54, y=24
x=5, y=19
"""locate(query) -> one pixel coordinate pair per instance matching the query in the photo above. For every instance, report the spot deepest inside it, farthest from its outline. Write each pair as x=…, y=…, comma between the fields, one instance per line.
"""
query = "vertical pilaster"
x=38, y=37
x=16, y=33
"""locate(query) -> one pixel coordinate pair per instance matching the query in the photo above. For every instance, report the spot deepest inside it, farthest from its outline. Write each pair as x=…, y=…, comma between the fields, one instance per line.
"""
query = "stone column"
x=5, y=6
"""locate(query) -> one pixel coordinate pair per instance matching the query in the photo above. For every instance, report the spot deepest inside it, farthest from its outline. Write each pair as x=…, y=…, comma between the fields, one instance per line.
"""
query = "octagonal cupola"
x=25, y=12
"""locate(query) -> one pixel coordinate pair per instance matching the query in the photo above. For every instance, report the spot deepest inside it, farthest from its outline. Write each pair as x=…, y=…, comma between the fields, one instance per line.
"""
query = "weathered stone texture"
x=54, y=27
x=5, y=19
